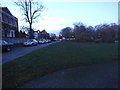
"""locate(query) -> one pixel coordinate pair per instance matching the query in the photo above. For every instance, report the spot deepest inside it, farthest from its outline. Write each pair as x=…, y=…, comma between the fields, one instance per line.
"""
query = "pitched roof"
x=5, y=9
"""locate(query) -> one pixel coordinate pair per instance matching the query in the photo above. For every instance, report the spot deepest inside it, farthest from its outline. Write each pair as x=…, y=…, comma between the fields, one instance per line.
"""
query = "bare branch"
x=39, y=9
x=36, y=16
x=31, y=10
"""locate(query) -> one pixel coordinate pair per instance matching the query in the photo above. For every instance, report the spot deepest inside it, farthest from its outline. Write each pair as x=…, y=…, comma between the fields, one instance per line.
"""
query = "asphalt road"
x=102, y=75
x=19, y=51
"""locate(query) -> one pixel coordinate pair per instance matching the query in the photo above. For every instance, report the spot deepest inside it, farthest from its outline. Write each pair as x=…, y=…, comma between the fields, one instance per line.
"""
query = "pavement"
x=102, y=75
x=19, y=51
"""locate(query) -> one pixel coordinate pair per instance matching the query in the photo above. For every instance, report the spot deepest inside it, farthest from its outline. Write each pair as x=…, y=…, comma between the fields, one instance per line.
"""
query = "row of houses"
x=10, y=27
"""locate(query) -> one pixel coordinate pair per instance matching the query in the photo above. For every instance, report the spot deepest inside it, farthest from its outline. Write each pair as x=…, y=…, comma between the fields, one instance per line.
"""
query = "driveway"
x=102, y=75
x=21, y=51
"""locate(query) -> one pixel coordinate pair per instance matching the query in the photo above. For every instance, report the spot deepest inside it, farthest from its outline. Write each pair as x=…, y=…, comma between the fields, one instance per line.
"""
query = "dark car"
x=5, y=45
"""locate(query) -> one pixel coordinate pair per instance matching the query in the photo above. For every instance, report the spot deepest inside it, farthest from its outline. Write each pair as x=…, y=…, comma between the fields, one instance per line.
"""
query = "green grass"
x=58, y=56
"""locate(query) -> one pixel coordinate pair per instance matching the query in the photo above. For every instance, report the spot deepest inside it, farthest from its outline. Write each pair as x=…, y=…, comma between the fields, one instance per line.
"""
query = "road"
x=102, y=75
x=21, y=51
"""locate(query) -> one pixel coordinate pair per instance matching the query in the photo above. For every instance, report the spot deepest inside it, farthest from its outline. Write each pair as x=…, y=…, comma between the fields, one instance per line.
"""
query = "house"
x=41, y=34
x=44, y=34
x=9, y=23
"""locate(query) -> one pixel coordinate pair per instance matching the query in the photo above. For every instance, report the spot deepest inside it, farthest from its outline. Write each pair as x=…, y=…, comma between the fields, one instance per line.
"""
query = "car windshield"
x=42, y=40
x=30, y=41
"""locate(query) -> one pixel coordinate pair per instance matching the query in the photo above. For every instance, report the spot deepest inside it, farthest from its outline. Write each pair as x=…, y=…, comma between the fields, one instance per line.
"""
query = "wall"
x=15, y=40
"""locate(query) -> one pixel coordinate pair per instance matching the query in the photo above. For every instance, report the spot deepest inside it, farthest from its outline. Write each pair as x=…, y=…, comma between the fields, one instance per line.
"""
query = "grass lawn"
x=54, y=57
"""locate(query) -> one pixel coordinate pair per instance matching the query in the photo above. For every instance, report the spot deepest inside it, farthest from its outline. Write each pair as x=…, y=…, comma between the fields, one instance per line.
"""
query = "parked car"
x=53, y=39
x=117, y=41
x=30, y=42
x=6, y=46
x=42, y=41
x=47, y=40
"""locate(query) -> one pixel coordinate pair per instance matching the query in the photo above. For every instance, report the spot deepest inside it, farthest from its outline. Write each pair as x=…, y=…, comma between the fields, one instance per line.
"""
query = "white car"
x=47, y=40
x=42, y=41
x=30, y=42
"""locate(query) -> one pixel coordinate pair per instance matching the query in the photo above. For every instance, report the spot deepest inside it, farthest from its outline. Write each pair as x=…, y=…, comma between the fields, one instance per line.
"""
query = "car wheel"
x=33, y=44
x=8, y=49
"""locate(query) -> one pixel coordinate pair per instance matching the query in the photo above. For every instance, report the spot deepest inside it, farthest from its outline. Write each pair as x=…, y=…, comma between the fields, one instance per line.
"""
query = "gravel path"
x=21, y=51
x=102, y=75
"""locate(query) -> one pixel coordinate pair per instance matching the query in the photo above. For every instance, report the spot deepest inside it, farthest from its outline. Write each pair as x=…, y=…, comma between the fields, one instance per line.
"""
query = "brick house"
x=9, y=23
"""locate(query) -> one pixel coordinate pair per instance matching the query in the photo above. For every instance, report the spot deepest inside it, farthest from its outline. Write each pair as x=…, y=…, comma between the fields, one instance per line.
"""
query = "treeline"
x=99, y=33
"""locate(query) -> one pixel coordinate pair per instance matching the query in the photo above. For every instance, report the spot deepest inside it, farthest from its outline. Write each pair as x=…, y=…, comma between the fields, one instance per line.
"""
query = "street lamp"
x=38, y=31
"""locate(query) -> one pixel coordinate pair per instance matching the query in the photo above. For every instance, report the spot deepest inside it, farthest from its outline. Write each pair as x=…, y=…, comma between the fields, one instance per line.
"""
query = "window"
x=7, y=19
x=12, y=33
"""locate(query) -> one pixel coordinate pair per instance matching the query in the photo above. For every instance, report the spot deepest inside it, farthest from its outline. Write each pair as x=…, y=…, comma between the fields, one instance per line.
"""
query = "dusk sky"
x=62, y=13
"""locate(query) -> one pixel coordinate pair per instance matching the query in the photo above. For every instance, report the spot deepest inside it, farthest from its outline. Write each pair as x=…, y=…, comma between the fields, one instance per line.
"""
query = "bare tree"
x=80, y=31
x=31, y=11
x=66, y=32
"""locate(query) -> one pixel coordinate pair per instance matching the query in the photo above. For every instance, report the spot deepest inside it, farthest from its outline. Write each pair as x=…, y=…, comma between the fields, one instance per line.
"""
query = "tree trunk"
x=31, y=32
x=30, y=22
